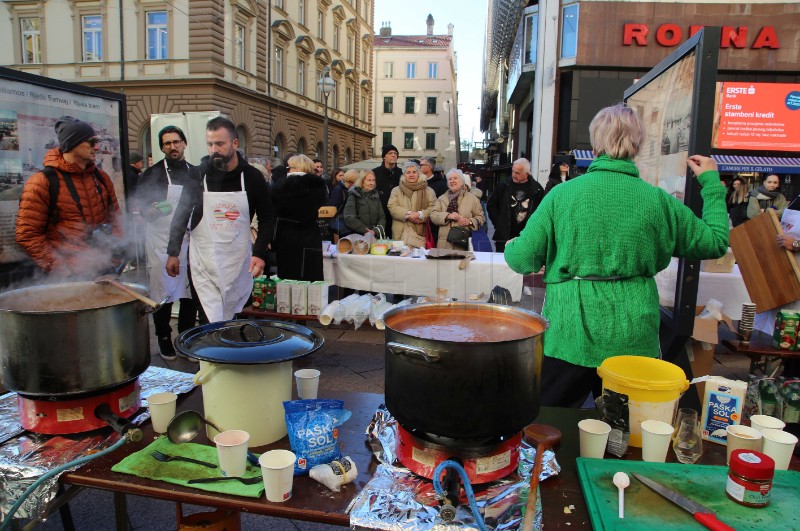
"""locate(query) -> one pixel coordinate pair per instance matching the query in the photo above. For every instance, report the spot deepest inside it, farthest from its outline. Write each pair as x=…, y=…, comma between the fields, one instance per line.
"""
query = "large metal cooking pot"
x=72, y=338
x=463, y=370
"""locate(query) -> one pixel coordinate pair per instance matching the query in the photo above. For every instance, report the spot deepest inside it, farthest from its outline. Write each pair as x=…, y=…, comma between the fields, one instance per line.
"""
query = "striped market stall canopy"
x=726, y=163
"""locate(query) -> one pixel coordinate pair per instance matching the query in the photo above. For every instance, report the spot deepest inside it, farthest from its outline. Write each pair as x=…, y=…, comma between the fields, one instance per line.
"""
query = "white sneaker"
x=527, y=291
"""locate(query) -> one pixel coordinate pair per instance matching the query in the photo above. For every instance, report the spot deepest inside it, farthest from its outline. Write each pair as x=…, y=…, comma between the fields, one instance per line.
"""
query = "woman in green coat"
x=363, y=210
x=602, y=238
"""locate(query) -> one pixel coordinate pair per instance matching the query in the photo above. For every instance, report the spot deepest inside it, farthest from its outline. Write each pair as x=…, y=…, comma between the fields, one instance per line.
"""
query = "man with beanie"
x=134, y=172
x=218, y=207
x=157, y=197
x=387, y=177
x=69, y=218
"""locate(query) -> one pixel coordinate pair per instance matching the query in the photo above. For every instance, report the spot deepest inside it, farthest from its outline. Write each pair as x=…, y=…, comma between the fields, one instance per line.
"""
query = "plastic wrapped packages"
x=328, y=313
x=379, y=323
x=335, y=474
x=361, y=310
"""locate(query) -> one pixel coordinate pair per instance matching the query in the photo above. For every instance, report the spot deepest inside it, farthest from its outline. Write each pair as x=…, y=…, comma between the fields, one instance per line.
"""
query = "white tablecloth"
x=728, y=288
x=422, y=276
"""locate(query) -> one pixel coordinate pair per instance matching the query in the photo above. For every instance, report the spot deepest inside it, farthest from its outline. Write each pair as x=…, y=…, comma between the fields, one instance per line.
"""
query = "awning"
x=726, y=163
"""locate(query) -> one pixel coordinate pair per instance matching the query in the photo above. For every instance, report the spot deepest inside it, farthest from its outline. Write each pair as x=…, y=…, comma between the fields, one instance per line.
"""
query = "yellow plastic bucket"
x=653, y=388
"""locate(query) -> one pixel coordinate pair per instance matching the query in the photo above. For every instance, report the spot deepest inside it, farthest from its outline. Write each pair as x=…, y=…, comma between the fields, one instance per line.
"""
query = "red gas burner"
x=77, y=414
x=484, y=461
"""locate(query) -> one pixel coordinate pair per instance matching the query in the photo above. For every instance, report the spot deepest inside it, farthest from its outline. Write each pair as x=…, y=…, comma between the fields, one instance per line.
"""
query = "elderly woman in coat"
x=363, y=211
x=410, y=204
x=456, y=208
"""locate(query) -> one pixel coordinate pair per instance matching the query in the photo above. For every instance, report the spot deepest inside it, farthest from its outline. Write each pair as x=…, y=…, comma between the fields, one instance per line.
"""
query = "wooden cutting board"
x=770, y=273
x=645, y=509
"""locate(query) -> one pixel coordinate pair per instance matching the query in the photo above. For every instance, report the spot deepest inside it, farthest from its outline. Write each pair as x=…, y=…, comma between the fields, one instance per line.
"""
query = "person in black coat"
x=387, y=177
x=298, y=241
x=559, y=173
x=513, y=202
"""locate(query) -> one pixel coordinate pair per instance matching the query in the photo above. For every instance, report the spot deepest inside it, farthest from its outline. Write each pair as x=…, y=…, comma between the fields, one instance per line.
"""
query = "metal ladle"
x=186, y=425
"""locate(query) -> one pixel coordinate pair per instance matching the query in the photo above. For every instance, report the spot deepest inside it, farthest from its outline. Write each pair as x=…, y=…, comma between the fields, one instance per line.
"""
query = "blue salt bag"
x=313, y=431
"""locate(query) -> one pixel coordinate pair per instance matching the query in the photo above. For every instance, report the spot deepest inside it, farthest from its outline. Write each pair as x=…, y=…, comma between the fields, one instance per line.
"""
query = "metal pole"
x=325, y=133
x=121, y=44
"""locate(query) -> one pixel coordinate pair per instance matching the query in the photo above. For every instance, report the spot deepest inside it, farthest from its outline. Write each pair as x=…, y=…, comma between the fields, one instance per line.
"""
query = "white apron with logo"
x=220, y=253
x=156, y=233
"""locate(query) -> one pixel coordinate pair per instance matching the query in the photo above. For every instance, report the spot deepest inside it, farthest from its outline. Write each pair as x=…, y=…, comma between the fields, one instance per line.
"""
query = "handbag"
x=430, y=242
x=459, y=237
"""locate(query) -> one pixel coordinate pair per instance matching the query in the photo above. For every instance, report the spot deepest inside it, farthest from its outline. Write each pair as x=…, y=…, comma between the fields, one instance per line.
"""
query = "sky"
x=468, y=17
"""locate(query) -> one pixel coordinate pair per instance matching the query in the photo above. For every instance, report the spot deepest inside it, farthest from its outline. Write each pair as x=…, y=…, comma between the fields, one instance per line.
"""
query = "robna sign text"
x=669, y=35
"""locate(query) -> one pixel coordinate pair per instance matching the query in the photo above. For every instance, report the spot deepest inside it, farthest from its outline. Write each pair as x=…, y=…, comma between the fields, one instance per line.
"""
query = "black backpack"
x=55, y=185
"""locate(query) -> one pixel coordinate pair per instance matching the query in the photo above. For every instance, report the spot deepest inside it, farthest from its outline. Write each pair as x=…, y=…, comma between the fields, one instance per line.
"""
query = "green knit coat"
x=609, y=224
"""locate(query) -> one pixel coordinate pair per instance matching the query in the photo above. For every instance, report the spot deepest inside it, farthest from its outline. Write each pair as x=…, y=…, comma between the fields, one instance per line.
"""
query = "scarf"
x=452, y=206
x=417, y=201
x=766, y=194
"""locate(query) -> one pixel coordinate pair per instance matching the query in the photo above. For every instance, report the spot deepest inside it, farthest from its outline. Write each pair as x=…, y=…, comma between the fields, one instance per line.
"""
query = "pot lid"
x=249, y=341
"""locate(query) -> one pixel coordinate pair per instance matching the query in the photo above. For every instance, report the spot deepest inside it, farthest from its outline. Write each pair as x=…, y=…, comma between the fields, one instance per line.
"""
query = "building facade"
x=258, y=62
x=415, y=95
x=565, y=60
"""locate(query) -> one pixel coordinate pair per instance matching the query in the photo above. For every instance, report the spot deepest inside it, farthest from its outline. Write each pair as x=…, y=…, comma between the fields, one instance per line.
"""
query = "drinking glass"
x=688, y=444
x=683, y=413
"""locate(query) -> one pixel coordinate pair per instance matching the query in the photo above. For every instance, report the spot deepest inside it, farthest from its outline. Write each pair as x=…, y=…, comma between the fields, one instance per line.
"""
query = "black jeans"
x=187, y=317
x=568, y=385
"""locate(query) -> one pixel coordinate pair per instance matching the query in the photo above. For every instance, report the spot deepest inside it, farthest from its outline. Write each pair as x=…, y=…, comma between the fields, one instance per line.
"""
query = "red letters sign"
x=669, y=35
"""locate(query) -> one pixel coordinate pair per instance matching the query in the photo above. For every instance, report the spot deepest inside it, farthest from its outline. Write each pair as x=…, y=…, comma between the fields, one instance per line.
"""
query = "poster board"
x=675, y=100
x=29, y=108
x=770, y=273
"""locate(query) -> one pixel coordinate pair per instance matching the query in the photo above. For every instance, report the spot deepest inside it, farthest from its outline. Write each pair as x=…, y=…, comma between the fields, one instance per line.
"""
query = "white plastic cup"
x=162, y=410
x=656, y=436
x=593, y=436
x=307, y=383
x=741, y=438
x=765, y=422
x=232, y=452
x=779, y=445
x=277, y=468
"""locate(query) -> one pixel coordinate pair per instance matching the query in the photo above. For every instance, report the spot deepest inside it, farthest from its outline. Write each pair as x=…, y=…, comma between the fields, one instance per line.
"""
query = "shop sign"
x=669, y=35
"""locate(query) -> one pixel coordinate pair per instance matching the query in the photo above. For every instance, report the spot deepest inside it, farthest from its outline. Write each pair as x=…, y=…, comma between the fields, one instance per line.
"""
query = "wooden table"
x=763, y=356
x=313, y=502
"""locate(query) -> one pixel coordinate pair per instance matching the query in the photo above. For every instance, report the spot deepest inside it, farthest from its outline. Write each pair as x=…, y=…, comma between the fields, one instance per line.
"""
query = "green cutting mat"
x=644, y=509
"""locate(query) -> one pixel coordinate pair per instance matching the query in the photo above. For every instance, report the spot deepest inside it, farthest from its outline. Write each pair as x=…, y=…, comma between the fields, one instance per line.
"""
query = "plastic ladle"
x=622, y=481
x=544, y=437
x=186, y=425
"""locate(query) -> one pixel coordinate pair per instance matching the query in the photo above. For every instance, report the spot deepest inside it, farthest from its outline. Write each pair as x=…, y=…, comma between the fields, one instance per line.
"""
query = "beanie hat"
x=71, y=132
x=136, y=157
x=387, y=148
x=467, y=180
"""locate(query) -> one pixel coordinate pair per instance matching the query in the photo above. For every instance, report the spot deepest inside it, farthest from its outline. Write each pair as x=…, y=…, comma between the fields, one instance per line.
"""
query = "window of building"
x=388, y=104
x=301, y=78
x=335, y=94
x=238, y=46
x=301, y=12
x=531, y=37
x=336, y=37
x=433, y=70
x=364, y=57
x=321, y=25
x=411, y=70
x=408, y=141
x=278, y=65
x=92, y=38
x=410, y=104
x=431, y=104
x=363, y=108
x=569, y=31
x=387, y=138
x=430, y=140
x=388, y=70
x=156, y=34
x=348, y=96
x=279, y=3
x=31, y=31
x=349, y=47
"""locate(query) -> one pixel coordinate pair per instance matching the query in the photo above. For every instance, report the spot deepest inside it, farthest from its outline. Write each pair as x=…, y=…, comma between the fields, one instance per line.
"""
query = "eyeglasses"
x=93, y=141
x=169, y=143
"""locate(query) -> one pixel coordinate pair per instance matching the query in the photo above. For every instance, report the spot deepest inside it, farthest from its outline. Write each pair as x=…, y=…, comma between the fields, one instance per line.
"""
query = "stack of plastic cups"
x=746, y=322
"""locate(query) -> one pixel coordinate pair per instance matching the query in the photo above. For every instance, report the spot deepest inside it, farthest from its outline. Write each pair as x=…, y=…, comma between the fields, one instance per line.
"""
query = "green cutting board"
x=644, y=509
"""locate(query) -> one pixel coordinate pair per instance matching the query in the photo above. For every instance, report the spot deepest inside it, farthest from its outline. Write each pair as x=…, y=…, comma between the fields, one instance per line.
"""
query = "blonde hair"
x=361, y=177
x=301, y=163
x=351, y=176
x=617, y=131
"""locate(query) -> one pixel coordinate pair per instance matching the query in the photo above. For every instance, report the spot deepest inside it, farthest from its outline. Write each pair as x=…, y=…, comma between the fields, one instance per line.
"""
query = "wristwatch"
x=796, y=244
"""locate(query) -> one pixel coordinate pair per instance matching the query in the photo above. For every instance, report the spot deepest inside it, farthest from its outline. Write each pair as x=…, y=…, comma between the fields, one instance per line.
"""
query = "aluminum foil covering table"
x=26, y=456
x=395, y=499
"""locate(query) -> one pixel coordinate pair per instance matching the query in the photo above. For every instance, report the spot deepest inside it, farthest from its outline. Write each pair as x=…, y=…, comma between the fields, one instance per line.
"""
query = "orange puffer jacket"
x=64, y=246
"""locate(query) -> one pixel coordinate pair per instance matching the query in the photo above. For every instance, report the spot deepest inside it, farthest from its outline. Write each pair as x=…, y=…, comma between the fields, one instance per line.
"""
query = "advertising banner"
x=757, y=116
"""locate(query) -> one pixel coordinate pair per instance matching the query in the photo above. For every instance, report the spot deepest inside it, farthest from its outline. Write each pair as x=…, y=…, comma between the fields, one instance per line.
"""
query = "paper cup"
x=765, y=422
x=277, y=467
x=656, y=436
x=741, y=438
x=162, y=409
x=594, y=436
x=779, y=445
x=307, y=383
x=232, y=452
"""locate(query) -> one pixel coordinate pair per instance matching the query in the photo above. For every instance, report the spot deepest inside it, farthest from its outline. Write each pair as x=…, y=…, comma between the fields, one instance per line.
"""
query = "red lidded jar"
x=750, y=478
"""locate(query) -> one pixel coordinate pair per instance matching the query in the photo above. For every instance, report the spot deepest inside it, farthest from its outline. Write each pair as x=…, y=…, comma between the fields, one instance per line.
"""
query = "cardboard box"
x=317, y=297
x=300, y=297
x=719, y=265
x=784, y=336
x=268, y=300
x=700, y=347
x=283, y=296
x=721, y=407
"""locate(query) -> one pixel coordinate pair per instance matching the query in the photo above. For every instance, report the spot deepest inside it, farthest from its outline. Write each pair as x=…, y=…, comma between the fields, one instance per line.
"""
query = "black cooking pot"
x=463, y=370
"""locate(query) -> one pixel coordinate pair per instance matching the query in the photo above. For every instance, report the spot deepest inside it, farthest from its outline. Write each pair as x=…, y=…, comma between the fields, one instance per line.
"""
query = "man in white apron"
x=158, y=194
x=218, y=208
